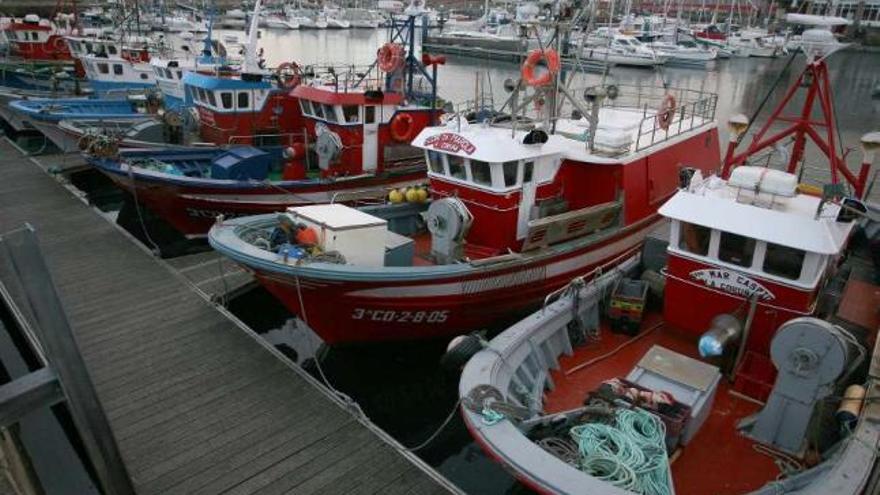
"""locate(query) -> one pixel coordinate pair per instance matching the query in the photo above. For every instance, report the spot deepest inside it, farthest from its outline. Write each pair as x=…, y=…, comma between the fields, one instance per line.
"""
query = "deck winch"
x=811, y=356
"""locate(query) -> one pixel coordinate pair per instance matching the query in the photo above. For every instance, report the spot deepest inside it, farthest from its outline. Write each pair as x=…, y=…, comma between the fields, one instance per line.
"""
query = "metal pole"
x=56, y=336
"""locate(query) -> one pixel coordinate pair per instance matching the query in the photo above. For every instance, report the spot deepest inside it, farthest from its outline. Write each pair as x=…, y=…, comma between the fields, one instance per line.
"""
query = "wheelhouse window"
x=244, y=100
x=510, y=169
x=736, y=249
x=694, y=238
x=369, y=115
x=111, y=49
x=456, y=167
x=528, y=170
x=435, y=161
x=103, y=68
x=226, y=100
x=117, y=69
x=350, y=112
x=318, y=110
x=783, y=261
x=481, y=174
x=212, y=98
x=306, y=107
x=329, y=113
x=202, y=96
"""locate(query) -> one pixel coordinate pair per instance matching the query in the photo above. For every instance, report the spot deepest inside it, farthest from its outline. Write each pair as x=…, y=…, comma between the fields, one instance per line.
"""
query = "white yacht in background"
x=684, y=52
x=361, y=18
x=279, y=21
x=233, y=19
x=619, y=49
x=306, y=18
x=333, y=17
x=750, y=43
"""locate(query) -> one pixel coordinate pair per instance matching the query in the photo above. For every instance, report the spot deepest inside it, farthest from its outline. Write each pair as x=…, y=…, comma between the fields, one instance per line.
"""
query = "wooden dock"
x=197, y=402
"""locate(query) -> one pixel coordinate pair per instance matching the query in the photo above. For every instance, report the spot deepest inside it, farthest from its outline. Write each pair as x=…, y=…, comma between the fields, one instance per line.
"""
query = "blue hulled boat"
x=44, y=115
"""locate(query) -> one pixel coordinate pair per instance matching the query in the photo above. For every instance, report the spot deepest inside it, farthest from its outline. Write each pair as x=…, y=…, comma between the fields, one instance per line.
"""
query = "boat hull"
x=192, y=206
x=382, y=308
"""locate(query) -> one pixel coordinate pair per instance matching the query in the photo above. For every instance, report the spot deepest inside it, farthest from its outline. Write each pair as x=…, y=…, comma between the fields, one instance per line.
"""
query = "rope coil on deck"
x=630, y=454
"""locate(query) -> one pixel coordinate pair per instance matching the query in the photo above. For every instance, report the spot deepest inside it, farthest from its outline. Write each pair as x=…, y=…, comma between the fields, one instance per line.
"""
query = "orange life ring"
x=289, y=74
x=402, y=127
x=547, y=59
x=665, y=112
x=390, y=57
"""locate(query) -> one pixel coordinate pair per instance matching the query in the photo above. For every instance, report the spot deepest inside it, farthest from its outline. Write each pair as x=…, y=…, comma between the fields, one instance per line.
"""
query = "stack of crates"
x=627, y=306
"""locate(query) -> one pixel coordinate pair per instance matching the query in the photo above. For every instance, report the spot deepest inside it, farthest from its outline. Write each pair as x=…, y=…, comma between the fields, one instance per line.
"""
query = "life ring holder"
x=402, y=127
x=665, y=112
x=547, y=58
x=289, y=74
x=390, y=57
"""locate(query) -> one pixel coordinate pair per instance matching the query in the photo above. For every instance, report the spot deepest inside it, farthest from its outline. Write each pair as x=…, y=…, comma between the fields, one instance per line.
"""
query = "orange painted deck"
x=718, y=460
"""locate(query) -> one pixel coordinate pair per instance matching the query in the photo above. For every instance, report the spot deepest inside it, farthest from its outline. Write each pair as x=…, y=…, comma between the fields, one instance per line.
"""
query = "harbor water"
x=401, y=386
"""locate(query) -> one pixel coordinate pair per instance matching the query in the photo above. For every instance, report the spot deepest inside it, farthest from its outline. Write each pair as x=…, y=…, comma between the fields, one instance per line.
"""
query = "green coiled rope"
x=630, y=453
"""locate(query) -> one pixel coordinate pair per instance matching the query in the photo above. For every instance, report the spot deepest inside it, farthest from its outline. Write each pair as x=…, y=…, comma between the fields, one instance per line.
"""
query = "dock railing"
x=63, y=376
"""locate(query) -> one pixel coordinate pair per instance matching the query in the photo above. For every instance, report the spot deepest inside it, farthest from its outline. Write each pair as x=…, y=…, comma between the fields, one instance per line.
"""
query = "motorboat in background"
x=609, y=46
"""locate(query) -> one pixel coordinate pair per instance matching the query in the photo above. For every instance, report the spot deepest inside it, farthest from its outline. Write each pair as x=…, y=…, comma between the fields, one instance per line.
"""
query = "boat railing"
x=288, y=138
x=662, y=125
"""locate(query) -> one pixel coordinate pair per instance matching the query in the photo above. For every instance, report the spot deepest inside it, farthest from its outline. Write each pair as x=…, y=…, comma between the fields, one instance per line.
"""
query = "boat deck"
x=718, y=460
x=196, y=401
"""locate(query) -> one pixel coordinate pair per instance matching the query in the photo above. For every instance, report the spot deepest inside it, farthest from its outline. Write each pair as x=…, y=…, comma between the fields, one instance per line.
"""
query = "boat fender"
x=656, y=283
x=459, y=351
x=851, y=405
x=665, y=112
x=307, y=237
x=390, y=57
x=402, y=127
x=540, y=67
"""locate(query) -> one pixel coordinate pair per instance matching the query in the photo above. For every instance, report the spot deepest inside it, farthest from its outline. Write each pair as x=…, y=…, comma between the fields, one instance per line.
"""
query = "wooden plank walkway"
x=197, y=402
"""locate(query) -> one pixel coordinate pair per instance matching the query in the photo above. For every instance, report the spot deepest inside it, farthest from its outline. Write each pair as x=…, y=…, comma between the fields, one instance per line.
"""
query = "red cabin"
x=33, y=39
x=751, y=244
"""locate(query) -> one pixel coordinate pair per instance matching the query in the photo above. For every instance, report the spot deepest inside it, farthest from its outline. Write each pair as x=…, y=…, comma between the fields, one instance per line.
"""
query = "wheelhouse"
x=752, y=242
x=370, y=127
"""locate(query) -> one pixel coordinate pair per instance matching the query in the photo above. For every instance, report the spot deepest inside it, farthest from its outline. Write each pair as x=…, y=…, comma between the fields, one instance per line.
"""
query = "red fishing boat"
x=758, y=374
x=518, y=207
x=327, y=134
x=35, y=39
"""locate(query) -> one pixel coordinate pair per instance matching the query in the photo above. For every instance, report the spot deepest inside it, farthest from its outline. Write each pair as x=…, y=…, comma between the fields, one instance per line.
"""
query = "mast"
x=251, y=64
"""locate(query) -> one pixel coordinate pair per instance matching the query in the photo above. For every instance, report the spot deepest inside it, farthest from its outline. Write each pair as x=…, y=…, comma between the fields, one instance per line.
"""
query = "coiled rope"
x=630, y=453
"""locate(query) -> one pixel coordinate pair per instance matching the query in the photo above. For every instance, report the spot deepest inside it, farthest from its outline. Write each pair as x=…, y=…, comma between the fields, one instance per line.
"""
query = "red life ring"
x=59, y=44
x=547, y=59
x=289, y=74
x=402, y=127
x=665, y=112
x=390, y=57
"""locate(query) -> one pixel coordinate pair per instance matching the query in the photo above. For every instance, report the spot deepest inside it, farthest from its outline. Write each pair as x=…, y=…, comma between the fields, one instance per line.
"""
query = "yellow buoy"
x=395, y=196
x=412, y=195
x=423, y=194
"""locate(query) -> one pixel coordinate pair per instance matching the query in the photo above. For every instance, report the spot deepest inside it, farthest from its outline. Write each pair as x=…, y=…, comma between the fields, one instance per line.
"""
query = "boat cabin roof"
x=621, y=136
x=212, y=82
x=787, y=221
x=485, y=143
x=331, y=95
